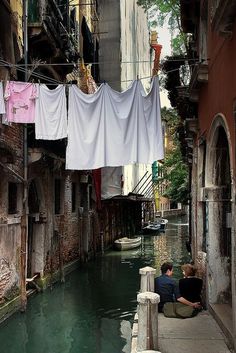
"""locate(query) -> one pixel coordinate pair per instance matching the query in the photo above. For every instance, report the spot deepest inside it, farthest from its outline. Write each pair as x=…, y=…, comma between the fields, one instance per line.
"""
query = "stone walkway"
x=200, y=334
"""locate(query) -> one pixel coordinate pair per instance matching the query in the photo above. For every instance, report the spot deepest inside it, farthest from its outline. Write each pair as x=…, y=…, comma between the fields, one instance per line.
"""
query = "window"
x=205, y=226
x=73, y=197
x=203, y=56
x=203, y=164
x=12, y=198
x=57, y=196
x=33, y=200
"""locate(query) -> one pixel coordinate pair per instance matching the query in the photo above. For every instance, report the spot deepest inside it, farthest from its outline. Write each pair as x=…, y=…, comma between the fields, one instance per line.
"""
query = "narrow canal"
x=92, y=311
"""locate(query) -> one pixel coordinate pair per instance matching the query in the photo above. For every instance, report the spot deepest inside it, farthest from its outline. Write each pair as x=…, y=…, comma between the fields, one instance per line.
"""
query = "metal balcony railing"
x=223, y=15
x=53, y=18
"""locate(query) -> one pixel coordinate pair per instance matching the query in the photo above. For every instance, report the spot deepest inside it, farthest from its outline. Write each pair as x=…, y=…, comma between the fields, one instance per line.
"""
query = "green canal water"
x=92, y=312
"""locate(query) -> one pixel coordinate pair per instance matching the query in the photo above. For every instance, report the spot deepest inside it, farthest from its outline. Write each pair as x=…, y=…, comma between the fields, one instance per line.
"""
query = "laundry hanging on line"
x=20, y=101
x=105, y=128
x=35, y=103
x=51, y=113
x=110, y=128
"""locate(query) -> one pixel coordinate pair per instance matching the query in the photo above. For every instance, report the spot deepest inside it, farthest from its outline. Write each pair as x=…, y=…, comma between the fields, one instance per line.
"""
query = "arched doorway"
x=218, y=204
x=36, y=231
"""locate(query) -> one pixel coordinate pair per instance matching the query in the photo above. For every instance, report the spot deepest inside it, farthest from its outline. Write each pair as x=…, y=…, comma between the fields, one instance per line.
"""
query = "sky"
x=164, y=39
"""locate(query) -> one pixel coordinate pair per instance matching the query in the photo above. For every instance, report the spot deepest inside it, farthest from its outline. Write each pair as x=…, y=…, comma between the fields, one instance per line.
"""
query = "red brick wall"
x=219, y=94
x=12, y=136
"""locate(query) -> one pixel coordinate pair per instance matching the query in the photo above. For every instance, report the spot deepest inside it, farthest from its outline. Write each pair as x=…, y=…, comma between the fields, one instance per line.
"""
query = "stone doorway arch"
x=218, y=197
x=36, y=229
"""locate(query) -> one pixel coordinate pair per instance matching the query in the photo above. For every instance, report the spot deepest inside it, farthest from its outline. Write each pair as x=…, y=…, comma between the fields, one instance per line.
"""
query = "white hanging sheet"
x=110, y=128
x=51, y=113
x=2, y=104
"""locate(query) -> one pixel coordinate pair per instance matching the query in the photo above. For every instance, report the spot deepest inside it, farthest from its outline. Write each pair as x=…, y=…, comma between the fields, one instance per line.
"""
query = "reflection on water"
x=171, y=246
x=93, y=311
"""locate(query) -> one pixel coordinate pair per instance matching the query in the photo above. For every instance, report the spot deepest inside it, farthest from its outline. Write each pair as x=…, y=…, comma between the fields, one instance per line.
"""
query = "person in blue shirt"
x=168, y=290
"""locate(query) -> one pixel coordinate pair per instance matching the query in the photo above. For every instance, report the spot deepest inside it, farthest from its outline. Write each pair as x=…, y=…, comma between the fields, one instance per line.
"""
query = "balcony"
x=189, y=140
x=223, y=15
x=199, y=76
x=51, y=34
x=183, y=91
x=190, y=10
x=192, y=126
x=6, y=3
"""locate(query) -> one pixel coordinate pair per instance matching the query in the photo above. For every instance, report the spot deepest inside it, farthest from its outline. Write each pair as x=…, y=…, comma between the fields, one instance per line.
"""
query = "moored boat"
x=127, y=243
x=163, y=222
x=152, y=227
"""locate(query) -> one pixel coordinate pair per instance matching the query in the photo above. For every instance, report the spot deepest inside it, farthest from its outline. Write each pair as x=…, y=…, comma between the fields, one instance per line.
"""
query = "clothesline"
x=68, y=84
x=90, y=63
x=31, y=73
x=56, y=82
x=101, y=62
x=104, y=128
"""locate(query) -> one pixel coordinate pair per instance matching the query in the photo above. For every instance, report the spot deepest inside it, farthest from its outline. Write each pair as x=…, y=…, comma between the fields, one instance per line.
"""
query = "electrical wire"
x=105, y=62
x=77, y=64
x=31, y=73
x=47, y=78
x=56, y=82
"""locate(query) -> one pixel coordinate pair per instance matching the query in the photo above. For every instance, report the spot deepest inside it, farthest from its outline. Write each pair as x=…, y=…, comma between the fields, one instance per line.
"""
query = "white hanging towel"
x=2, y=104
x=109, y=128
x=51, y=113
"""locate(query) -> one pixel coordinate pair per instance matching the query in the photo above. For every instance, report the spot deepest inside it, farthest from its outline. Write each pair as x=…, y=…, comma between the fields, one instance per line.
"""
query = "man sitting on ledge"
x=168, y=290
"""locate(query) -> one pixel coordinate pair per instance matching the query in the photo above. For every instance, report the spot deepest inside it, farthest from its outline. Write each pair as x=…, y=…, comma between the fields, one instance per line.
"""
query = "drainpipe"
x=190, y=210
x=61, y=247
x=24, y=218
x=88, y=215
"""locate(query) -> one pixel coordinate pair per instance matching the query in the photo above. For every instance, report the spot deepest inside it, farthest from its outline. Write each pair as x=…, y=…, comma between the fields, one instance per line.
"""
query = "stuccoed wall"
x=135, y=44
x=124, y=53
x=136, y=61
x=124, y=43
x=110, y=49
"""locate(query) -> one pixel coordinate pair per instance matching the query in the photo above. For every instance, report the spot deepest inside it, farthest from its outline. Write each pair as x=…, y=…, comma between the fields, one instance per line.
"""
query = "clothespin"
x=83, y=65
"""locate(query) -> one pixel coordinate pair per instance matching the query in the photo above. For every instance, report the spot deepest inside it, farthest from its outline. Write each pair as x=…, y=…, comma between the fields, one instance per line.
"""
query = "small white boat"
x=152, y=227
x=127, y=243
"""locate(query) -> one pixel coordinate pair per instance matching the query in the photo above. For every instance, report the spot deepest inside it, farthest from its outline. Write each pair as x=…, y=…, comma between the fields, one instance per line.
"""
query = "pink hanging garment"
x=20, y=101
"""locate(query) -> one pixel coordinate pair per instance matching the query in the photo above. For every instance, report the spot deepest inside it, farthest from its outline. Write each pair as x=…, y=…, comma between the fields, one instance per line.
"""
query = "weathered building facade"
x=11, y=155
x=124, y=27
x=210, y=134
x=61, y=220
x=66, y=223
